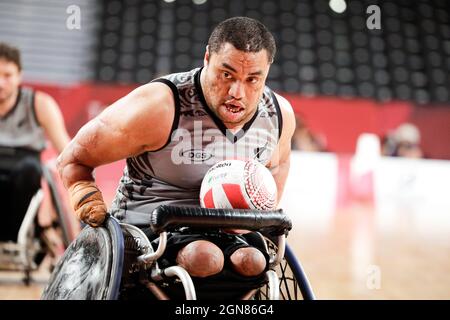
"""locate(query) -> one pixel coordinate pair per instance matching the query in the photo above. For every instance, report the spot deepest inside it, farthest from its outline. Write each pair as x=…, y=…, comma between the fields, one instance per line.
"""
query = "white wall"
x=419, y=189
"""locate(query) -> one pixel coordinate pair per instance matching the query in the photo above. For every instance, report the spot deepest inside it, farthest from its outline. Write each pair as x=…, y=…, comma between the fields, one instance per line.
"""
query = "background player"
x=27, y=117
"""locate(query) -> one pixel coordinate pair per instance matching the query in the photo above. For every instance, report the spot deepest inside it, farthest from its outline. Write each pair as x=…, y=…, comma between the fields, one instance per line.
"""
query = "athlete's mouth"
x=233, y=108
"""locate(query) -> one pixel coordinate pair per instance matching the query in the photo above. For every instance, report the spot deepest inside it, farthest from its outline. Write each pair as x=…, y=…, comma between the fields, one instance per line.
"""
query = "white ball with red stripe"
x=238, y=184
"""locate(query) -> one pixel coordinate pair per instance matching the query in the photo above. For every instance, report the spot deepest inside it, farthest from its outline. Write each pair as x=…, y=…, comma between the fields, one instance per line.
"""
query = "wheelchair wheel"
x=91, y=267
x=294, y=284
x=56, y=201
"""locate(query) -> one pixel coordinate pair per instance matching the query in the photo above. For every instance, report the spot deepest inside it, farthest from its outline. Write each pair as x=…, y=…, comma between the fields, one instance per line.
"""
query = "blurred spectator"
x=305, y=140
x=403, y=142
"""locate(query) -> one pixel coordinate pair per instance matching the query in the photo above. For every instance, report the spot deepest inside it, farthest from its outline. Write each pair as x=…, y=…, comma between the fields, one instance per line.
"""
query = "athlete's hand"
x=87, y=201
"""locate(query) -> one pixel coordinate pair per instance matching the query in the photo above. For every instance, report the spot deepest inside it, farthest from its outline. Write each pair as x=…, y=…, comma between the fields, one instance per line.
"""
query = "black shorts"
x=20, y=179
x=227, y=284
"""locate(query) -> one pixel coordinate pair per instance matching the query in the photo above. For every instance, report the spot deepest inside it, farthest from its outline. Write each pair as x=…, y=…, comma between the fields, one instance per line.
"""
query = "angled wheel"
x=91, y=267
x=65, y=222
x=294, y=284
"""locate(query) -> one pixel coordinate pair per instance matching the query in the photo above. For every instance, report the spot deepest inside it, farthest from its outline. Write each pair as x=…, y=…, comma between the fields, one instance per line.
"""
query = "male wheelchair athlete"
x=109, y=262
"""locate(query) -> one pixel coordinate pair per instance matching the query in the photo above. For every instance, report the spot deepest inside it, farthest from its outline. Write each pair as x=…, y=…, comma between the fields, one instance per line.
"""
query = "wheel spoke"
x=289, y=287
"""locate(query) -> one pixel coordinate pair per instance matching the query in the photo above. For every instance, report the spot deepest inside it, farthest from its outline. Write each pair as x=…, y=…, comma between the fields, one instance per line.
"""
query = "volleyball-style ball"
x=238, y=184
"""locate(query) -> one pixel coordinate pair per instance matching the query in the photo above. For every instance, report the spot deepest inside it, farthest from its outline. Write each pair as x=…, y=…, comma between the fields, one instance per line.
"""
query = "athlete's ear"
x=206, y=58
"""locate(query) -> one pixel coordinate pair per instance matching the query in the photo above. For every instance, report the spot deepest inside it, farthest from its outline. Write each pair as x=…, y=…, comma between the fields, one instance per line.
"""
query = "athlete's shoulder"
x=282, y=101
x=44, y=105
x=287, y=113
x=151, y=98
x=179, y=77
x=285, y=105
x=41, y=97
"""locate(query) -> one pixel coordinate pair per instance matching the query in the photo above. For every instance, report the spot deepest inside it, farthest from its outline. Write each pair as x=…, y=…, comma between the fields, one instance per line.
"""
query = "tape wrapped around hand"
x=87, y=201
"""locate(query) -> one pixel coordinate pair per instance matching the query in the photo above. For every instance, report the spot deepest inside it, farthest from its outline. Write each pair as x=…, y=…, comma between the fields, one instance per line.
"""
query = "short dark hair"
x=11, y=54
x=245, y=34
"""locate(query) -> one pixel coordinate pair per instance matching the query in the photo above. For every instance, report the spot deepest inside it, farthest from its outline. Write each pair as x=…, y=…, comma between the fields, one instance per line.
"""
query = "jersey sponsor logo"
x=209, y=146
x=196, y=154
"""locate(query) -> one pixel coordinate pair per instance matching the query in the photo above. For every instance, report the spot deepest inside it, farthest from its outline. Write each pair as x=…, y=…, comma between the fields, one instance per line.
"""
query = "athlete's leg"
x=248, y=261
x=24, y=181
x=201, y=258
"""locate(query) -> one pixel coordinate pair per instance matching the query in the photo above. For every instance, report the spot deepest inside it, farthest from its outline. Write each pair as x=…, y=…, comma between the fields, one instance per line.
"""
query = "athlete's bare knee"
x=248, y=261
x=201, y=258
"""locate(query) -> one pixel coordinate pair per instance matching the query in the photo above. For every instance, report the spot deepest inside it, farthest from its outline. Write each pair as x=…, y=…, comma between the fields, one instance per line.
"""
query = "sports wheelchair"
x=103, y=263
x=26, y=251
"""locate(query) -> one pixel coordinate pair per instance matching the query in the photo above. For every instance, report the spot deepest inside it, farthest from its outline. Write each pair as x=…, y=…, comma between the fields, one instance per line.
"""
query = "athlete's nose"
x=236, y=90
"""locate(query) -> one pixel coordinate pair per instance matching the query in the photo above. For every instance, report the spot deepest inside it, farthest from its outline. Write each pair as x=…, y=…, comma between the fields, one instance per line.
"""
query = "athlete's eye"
x=226, y=75
x=253, y=80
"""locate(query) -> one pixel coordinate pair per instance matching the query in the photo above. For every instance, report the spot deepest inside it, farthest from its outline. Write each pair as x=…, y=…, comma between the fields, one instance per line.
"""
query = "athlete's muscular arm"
x=51, y=119
x=138, y=122
x=280, y=162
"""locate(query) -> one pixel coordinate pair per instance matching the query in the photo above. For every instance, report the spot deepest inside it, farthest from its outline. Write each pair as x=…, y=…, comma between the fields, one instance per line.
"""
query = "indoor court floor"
x=352, y=255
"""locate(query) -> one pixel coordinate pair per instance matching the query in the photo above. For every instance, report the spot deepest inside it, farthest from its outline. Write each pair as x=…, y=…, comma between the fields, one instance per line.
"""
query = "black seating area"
x=319, y=52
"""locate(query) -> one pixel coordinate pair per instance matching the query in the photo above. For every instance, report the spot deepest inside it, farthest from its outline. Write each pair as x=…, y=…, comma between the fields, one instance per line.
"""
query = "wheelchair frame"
x=130, y=241
x=19, y=255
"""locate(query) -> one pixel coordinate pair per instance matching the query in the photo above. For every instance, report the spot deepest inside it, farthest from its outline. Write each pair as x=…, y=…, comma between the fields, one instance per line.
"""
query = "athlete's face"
x=10, y=77
x=233, y=83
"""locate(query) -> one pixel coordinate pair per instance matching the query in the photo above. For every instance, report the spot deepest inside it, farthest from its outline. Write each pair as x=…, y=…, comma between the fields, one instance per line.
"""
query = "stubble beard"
x=8, y=97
